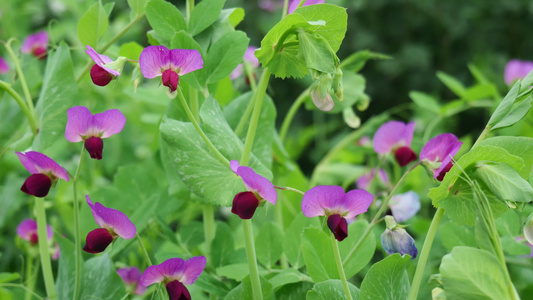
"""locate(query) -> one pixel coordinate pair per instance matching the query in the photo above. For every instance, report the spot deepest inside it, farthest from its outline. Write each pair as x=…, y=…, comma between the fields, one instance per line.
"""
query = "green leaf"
x=212, y=285
x=453, y=84
x=267, y=245
x=293, y=238
x=197, y=166
x=244, y=290
x=165, y=18
x=331, y=290
x=7, y=277
x=224, y=56
x=513, y=247
x=131, y=50
x=505, y=106
x=66, y=270
x=515, y=145
x=356, y=61
x=101, y=280
x=316, y=52
x=204, y=14
x=234, y=15
x=387, y=279
x=518, y=111
x=285, y=277
x=223, y=246
x=504, y=182
x=58, y=94
x=234, y=271
x=138, y=7
x=93, y=25
x=452, y=235
x=182, y=40
x=425, y=101
x=318, y=255
x=365, y=252
x=469, y=273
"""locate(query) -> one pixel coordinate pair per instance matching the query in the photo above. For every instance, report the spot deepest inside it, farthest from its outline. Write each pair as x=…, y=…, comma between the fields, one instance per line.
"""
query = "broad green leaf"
x=192, y=234
x=131, y=50
x=66, y=270
x=505, y=106
x=58, y=94
x=224, y=56
x=425, y=101
x=286, y=276
x=452, y=235
x=226, y=22
x=204, y=14
x=244, y=290
x=234, y=271
x=267, y=244
x=316, y=52
x=513, y=247
x=469, y=273
x=212, y=285
x=234, y=15
x=387, y=279
x=92, y=25
x=7, y=277
x=365, y=252
x=223, y=246
x=516, y=145
x=318, y=255
x=294, y=291
x=138, y=7
x=518, y=111
x=504, y=182
x=182, y=40
x=195, y=163
x=101, y=280
x=332, y=290
x=453, y=84
x=293, y=238
x=165, y=18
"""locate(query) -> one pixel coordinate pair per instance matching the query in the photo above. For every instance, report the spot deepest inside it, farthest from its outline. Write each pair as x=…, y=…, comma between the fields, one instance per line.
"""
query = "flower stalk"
x=21, y=76
x=43, y=249
x=32, y=120
x=77, y=233
x=340, y=268
x=252, y=260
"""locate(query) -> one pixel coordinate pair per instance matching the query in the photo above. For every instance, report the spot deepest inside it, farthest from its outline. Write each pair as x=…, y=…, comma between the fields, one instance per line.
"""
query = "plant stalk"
x=252, y=260
x=43, y=249
x=340, y=268
x=291, y=113
x=209, y=226
x=23, y=83
x=77, y=233
x=32, y=119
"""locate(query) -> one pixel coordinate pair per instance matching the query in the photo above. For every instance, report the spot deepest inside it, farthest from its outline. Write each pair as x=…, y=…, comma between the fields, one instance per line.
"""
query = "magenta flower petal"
x=28, y=227
x=234, y=165
x=112, y=219
x=184, y=61
x=185, y=272
x=321, y=199
x=109, y=122
x=156, y=59
x=82, y=124
x=4, y=67
x=294, y=4
x=392, y=135
x=36, y=44
x=257, y=183
x=36, y=163
x=517, y=69
x=151, y=61
x=249, y=56
x=100, y=60
x=355, y=202
x=78, y=124
x=131, y=277
x=365, y=180
x=194, y=266
x=441, y=149
x=404, y=206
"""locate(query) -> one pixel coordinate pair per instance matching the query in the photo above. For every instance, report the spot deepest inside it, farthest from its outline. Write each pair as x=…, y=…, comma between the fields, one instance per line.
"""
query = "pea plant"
x=200, y=194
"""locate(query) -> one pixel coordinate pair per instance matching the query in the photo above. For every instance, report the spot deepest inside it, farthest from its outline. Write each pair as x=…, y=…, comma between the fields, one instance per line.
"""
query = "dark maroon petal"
x=100, y=76
x=34, y=238
x=404, y=155
x=440, y=177
x=37, y=185
x=338, y=226
x=170, y=79
x=39, y=52
x=97, y=240
x=244, y=205
x=95, y=146
x=177, y=291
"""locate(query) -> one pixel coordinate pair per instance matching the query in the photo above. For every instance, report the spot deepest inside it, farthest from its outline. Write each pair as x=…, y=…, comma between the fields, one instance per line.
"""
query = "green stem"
x=193, y=95
x=30, y=279
x=43, y=249
x=245, y=117
x=145, y=253
x=29, y=115
x=291, y=113
x=252, y=261
x=77, y=233
x=250, y=74
x=483, y=135
x=209, y=226
x=338, y=260
x=111, y=42
x=189, y=6
x=258, y=98
x=21, y=76
x=424, y=254
x=285, y=10
x=22, y=287
x=199, y=129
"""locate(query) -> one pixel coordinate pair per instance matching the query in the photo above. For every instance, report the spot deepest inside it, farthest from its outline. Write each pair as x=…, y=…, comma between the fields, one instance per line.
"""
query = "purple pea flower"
x=294, y=4
x=395, y=137
x=100, y=74
x=132, y=277
x=259, y=189
x=404, y=206
x=84, y=126
x=438, y=152
x=113, y=223
x=396, y=240
x=27, y=230
x=36, y=44
x=365, y=180
x=333, y=202
x=169, y=64
x=175, y=273
x=517, y=69
x=45, y=171
x=249, y=57
x=268, y=5
x=4, y=67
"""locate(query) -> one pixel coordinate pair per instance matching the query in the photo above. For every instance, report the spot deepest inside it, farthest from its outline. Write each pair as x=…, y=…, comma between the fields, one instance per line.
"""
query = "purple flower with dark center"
x=158, y=61
x=365, y=180
x=259, y=189
x=84, y=126
x=27, y=230
x=45, y=171
x=517, y=69
x=132, y=277
x=36, y=44
x=249, y=57
x=100, y=74
x=395, y=137
x=396, y=240
x=4, y=67
x=294, y=4
x=333, y=202
x=404, y=206
x=175, y=273
x=438, y=152
x=114, y=224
